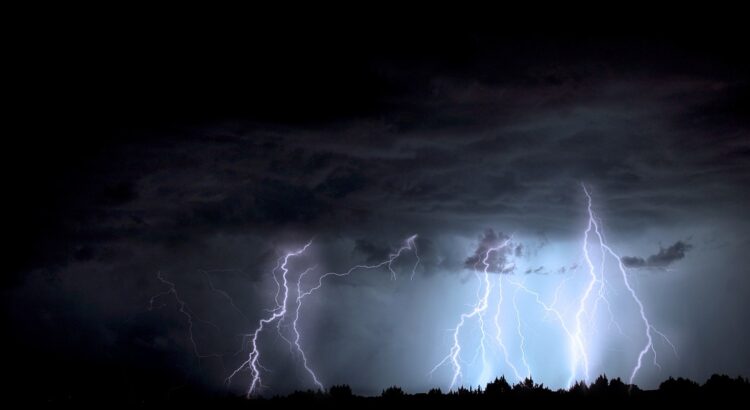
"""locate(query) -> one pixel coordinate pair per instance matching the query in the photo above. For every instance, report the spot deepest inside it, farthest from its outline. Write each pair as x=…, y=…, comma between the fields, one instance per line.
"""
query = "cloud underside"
x=660, y=260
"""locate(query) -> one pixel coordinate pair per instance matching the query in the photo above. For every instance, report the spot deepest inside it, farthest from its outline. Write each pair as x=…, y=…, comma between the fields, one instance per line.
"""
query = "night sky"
x=204, y=158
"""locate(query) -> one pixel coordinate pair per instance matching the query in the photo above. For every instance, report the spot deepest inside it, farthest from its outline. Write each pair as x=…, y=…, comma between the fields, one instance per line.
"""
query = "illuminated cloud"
x=660, y=260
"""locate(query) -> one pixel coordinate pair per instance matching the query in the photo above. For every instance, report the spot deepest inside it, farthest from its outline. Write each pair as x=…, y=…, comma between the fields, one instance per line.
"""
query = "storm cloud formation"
x=495, y=261
x=213, y=158
x=662, y=259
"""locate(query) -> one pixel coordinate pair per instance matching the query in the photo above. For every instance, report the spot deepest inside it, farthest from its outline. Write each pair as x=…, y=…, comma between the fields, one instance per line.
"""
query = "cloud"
x=372, y=251
x=662, y=259
x=422, y=148
x=497, y=260
x=539, y=270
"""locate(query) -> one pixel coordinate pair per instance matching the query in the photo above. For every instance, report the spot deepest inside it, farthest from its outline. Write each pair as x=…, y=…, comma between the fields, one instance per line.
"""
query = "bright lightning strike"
x=522, y=339
x=578, y=327
x=253, y=361
x=282, y=299
x=578, y=323
x=454, y=356
x=297, y=334
x=647, y=326
x=549, y=308
x=499, y=330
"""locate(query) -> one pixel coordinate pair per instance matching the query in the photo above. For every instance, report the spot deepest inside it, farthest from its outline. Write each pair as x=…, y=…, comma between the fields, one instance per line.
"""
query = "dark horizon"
x=444, y=204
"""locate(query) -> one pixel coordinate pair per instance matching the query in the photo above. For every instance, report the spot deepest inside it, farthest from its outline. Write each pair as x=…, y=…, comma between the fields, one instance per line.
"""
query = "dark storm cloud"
x=539, y=270
x=497, y=259
x=341, y=182
x=373, y=253
x=199, y=164
x=492, y=137
x=660, y=260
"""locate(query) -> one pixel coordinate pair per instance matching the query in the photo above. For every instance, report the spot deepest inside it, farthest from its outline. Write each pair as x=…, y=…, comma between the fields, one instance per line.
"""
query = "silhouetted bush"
x=304, y=395
x=498, y=394
x=526, y=384
x=464, y=392
x=723, y=384
x=579, y=389
x=393, y=392
x=600, y=386
x=602, y=391
x=673, y=386
x=617, y=388
x=342, y=391
x=497, y=387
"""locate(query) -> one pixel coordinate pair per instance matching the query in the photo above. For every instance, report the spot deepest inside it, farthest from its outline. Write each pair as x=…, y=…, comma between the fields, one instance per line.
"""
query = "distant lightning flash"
x=185, y=310
x=224, y=295
x=454, y=356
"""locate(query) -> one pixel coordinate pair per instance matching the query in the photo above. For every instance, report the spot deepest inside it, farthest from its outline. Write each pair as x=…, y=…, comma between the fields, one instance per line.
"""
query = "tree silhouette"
x=600, y=387
x=342, y=391
x=718, y=389
x=721, y=383
x=435, y=392
x=579, y=389
x=393, y=392
x=617, y=388
x=677, y=386
x=497, y=387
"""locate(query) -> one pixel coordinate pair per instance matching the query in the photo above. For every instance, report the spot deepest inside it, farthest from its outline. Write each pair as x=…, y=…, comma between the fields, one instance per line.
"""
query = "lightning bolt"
x=579, y=326
x=253, y=361
x=499, y=330
x=589, y=287
x=648, y=328
x=594, y=292
x=478, y=311
x=278, y=314
x=408, y=245
x=185, y=311
x=575, y=348
x=297, y=334
x=224, y=295
x=411, y=242
x=522, y=339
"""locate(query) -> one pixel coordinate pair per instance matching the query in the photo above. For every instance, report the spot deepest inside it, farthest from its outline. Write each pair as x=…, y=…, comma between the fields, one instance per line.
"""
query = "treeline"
x=718, y=388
